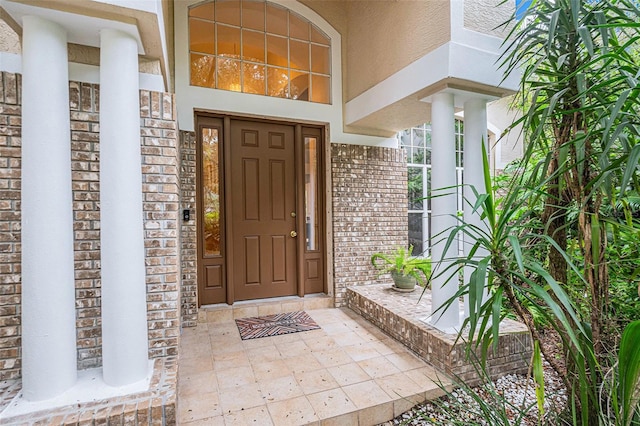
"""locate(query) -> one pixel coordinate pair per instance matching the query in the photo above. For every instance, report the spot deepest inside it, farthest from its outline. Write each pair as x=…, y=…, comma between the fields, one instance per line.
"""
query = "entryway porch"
x=346, y=372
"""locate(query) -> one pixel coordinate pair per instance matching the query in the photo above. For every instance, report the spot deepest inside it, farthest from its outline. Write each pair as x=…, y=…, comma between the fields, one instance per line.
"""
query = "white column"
x=443, y=212
x=48, y=293
x=475, y=134
x=124, y=307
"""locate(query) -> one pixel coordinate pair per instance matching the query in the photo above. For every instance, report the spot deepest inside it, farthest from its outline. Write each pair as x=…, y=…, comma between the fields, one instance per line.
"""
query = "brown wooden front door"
x=263, y=222
x=260, y=231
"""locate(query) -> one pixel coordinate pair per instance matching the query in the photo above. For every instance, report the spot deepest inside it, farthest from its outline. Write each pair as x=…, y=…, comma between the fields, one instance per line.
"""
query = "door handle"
x=293, y=234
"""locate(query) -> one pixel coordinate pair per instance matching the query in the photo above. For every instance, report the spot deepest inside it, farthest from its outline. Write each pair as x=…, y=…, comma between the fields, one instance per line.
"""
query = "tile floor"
x=346, y=373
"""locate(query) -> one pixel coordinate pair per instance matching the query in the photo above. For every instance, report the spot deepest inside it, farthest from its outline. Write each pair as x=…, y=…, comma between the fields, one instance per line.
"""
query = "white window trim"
x=190, y=98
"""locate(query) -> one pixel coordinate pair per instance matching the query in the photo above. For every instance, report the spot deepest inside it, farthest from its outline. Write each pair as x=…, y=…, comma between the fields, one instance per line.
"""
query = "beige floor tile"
x=361, y=351
x=226, y=360
x=258, y=416
x=197, y=383
x=400, y=385
x=316, y=381
x=369, y=332
x=348, y=374
x=193, y=366
x=303, y=364
x=327, y=316
x=403, y=405
x=347, y=338
x=294, y=348
x=292, y=412
x=428, y=377
x=280, y=389
x=335, y=328
x=378, y=367
x=195, y=341
x=357, y=325
x=210, y=421
x=245, y=312
x=331, y=403
x=219, y=315
x=366, y=394
x=224, y=330
x=270, y=370
x=287, y=338
x=312, y=303
x=234, y=377
x=368, y=337
x=321, y=343
x=372, y=329
x=263, y=354
x=222, y=347
x=394, y=345
x=195, y=349
x=190, y=331
x=269, y=309
x=257, y=343
x=405, y=361
x=348, y=419
x=332, y=357
x=375, y=415
x=240, y=398
x=311, y=335
x=292, y=305
x=201, y=406
x=384, y=346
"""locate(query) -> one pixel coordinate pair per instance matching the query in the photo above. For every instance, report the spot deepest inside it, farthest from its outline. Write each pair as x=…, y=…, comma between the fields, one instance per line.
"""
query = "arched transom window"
x=258, y=47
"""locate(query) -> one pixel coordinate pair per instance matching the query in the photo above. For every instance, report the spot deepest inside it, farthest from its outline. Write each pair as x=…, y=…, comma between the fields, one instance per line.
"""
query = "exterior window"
x=417, y=144
x=211, y=192
x=257, y=47
x=311, y=192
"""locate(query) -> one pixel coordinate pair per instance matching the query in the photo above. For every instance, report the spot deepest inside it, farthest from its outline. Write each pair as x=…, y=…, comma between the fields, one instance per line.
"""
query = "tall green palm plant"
x=580, y=95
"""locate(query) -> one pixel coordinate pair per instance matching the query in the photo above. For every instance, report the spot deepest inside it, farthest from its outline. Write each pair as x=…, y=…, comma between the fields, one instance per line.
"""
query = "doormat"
x=275, y=325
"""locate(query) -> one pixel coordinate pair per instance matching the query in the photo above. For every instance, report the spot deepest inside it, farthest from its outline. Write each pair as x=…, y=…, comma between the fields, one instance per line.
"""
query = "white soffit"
x=81, y=29
x=452, y=60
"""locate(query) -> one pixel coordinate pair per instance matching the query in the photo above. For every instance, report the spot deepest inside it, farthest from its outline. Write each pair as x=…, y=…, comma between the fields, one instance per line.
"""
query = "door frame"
x=226, y=207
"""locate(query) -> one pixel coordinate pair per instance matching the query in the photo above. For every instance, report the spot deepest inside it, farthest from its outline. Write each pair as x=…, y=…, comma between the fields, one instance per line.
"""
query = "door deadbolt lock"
x=293, y=214
x=293, y=234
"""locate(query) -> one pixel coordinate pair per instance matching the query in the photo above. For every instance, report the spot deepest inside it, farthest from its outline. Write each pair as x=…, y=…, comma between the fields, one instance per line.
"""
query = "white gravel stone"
x=516, y=390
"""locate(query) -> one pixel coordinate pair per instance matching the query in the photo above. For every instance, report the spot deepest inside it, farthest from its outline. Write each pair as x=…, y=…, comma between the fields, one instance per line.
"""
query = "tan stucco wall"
x=386, y=36
x=485, y=15
x=9, y=40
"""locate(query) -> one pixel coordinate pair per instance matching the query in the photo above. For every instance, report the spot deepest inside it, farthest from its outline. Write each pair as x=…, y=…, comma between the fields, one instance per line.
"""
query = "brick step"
x=222, y=312
x=402, y=315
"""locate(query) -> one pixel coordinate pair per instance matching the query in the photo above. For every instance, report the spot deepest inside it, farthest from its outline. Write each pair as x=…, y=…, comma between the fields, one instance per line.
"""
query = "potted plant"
x=405, y=269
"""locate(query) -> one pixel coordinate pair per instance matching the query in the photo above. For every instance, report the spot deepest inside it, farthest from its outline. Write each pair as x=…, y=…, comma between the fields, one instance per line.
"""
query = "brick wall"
x=189, y=302
x=369, y=210
x=160, y=188
x=161, y=203
x=85, y=137
x=10, y=154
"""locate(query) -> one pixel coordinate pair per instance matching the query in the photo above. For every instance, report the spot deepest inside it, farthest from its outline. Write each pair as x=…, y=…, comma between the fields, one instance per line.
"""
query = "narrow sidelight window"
x=210, y=192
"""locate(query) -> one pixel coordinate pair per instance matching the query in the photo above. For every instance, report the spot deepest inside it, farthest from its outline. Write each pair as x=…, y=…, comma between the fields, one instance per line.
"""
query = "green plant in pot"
x=405, y=269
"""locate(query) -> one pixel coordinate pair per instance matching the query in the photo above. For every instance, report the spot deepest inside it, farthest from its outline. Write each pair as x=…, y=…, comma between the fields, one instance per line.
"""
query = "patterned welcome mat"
x=275, y=325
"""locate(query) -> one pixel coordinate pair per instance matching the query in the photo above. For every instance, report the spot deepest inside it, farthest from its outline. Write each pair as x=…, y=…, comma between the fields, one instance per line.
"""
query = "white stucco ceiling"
x=81, y=29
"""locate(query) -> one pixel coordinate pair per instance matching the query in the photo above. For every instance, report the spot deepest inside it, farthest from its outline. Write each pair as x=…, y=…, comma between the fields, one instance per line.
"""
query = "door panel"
x=250, y=188
x=263, y=182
